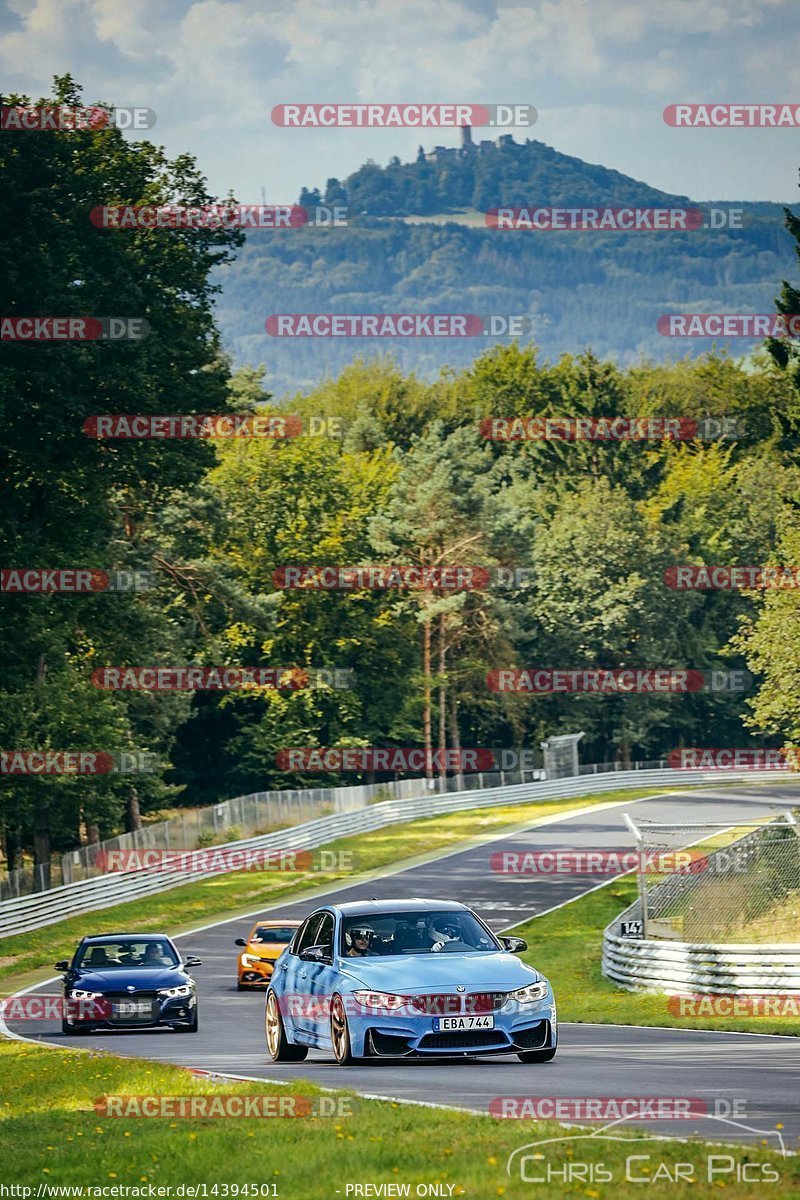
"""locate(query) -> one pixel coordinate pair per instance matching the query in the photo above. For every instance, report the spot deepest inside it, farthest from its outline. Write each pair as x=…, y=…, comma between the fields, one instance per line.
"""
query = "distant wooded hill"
x=416, y=242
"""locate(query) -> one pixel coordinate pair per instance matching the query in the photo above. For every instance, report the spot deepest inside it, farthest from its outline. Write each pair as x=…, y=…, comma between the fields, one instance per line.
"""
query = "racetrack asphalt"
x=761, y=1073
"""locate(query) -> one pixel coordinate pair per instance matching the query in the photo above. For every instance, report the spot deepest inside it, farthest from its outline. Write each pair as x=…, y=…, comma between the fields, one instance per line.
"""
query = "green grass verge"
x=567, y=946
x=51, y=1134
x=194, y=904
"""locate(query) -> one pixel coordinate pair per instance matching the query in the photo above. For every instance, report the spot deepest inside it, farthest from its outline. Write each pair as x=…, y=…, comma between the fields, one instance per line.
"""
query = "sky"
x=599, y=73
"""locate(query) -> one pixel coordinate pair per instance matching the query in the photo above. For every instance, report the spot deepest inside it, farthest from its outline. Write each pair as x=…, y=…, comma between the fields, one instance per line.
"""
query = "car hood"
x=443, y=972
x=265, y=949
x=117, y=980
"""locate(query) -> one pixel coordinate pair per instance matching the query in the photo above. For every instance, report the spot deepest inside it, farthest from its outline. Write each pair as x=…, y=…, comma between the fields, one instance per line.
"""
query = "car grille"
x=483, y=1002
x=137, y=995
x=448, y=1004
x=442, y=1005
x=462, y=1041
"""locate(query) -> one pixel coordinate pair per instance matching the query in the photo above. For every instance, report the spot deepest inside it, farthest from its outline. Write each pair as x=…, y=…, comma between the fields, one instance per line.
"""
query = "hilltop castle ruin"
x=442, y=153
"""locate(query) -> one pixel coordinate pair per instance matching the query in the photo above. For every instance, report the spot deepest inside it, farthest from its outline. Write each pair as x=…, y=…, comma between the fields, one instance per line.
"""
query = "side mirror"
x=192, y=961
x=317, y=954
x=514, y=945
x=240, y=942
x=62, y=964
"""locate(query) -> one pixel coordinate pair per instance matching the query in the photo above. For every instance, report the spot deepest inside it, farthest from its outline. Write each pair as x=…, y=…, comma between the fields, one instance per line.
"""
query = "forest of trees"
x=505, y=172
x=410, y=480
x=600, y=290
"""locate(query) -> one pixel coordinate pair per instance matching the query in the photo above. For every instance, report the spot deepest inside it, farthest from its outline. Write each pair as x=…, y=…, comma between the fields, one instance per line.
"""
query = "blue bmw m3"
x=399, y=978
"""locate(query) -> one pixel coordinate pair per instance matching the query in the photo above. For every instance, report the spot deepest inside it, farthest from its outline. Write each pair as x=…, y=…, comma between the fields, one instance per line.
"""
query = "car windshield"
x=415, y=933
x=282, y=934
x=126, y=953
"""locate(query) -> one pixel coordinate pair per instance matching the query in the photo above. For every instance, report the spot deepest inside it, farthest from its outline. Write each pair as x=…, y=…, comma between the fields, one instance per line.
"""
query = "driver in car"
x=360, y=940
x=154, y=955
x=449, y=930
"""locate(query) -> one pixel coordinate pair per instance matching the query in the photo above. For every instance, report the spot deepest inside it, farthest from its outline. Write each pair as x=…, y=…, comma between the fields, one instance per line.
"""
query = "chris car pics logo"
x=577, y=1158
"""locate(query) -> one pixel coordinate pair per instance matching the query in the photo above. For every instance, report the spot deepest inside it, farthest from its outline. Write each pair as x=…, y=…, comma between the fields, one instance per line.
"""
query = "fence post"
x=640, y=874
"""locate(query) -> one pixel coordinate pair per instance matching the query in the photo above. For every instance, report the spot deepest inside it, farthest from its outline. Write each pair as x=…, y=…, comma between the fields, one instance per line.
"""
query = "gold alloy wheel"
x=339, y=1033
x=272, y=1022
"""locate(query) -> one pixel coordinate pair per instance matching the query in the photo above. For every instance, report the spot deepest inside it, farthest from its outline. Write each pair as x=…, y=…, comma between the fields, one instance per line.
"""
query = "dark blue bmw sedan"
x=128, y=981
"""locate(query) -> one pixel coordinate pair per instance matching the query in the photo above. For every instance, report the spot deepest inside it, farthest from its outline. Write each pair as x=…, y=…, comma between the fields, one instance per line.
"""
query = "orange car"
x=265, y=942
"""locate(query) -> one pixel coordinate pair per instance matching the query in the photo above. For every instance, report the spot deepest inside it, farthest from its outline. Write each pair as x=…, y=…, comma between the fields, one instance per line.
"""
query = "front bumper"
x=255, y=974
x=387, y=1037
x=379, y=1044
x=164, y=1011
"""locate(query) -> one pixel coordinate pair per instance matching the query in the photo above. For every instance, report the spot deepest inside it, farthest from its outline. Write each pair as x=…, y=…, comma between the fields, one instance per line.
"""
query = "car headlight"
x=80, y=994
x=387, y=1001
x=183, y=989
x=249, y=959
x=531, y=993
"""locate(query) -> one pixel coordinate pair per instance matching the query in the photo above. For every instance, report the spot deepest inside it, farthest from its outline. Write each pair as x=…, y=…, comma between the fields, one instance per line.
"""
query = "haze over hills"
x=417, y=241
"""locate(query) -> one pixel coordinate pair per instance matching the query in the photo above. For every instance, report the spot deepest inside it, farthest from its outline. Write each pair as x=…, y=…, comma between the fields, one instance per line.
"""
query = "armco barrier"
x=88, y=895
x=250, y=816
x=696, y=968
x=703, y=970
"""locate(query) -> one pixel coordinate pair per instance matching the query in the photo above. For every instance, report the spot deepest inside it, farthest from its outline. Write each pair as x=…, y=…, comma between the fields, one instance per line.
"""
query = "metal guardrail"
x=88, y=895
x=667, y=965
x=704, y=970
x=257, y=813
x=244, y=817
x=754, y=877
x=239, y=818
